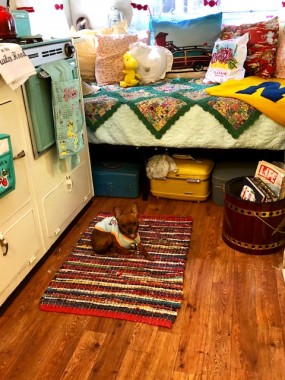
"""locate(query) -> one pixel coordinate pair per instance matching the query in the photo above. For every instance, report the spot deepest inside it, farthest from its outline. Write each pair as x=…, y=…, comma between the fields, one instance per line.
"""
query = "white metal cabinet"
x=19, y=218
x=61, y=190
x=63, y=201
x=61, y=194
x=24, y=251
x=48, y=196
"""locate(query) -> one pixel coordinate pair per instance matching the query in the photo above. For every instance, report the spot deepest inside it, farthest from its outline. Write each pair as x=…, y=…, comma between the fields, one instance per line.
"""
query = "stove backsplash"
x=51, y=18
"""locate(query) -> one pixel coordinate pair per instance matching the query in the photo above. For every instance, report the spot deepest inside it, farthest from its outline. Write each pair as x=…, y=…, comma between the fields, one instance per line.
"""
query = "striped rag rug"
x=127, y=287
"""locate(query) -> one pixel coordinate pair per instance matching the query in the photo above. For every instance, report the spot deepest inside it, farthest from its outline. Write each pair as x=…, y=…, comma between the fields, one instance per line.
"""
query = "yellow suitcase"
x=192, y=181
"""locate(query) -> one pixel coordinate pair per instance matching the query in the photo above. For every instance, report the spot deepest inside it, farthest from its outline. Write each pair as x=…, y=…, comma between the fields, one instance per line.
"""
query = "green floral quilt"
x=159, y=105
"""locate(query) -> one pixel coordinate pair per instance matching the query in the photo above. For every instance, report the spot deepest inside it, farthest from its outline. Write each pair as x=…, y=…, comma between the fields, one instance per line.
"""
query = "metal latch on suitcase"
x=193, y=180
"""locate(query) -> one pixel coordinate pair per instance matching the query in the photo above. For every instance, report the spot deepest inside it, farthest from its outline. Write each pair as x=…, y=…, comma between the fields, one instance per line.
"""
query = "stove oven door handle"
x=19, y=155
x=43, y=74
x=4, y=245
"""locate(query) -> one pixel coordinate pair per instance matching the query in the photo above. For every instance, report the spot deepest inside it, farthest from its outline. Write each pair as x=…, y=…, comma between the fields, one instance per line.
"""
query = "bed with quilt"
x=238, y=102
x=180, y=113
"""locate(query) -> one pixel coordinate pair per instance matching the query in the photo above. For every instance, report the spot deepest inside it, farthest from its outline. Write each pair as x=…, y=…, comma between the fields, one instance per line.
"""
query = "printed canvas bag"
x=7, y=171
x=67, y=110
x=68, y=117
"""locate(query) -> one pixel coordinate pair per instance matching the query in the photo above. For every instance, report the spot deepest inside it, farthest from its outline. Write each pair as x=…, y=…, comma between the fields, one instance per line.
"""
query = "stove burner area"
x=23, y=40
x=41, y=51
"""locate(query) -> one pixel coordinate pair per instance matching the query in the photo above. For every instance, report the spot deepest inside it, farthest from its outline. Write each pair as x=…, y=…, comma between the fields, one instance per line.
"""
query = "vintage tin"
x=250, y=227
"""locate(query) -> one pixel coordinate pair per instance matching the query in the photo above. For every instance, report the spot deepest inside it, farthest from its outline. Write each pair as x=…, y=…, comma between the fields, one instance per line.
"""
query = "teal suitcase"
x=116, y=179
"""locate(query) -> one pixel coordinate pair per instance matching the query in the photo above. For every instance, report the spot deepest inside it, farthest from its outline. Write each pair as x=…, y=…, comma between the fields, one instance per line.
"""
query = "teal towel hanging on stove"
x=67, y=110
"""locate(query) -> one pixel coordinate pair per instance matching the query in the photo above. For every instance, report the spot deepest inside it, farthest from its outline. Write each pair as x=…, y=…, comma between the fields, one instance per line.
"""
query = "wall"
x=97, y=13
x=47, y=19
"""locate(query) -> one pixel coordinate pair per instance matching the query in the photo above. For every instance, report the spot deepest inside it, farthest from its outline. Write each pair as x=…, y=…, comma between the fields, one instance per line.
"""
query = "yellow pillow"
x=86, y=52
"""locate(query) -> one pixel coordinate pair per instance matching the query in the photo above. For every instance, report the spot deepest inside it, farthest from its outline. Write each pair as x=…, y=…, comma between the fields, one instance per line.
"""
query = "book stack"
x=273, y=176
x=267, y=185
x=255, y=190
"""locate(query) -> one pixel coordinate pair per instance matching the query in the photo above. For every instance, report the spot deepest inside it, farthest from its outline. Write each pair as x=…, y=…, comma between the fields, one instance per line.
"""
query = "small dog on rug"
x=119, y=233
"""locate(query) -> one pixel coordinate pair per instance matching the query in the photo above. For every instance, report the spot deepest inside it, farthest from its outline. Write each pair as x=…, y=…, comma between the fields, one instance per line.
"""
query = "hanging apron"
x=67, y=110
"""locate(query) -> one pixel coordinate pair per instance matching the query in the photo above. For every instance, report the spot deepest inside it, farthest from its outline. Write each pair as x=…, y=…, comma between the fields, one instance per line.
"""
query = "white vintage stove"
x=46, y=198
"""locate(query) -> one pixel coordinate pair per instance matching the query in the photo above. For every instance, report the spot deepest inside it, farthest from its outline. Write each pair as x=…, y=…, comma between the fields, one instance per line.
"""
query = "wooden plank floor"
x=231, y=325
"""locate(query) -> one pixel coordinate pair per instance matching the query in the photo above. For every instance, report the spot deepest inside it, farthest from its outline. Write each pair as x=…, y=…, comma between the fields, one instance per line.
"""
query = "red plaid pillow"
x=261, y=47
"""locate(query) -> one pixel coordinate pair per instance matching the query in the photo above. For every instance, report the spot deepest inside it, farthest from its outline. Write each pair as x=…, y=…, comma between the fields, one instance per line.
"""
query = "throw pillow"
x=119, y=28
x=191, y=41
x=109, y=57
x=86, y=52
x=280, y=55
x=153, y=61
x=262, y=45
x=227, y=61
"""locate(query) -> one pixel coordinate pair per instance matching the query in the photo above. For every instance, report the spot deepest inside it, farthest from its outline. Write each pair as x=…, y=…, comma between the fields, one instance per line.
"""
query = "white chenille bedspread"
x=196, y=129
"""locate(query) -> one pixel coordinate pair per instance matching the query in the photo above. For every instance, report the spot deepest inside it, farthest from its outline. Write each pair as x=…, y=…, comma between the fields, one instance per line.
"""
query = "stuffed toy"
x=130, y=64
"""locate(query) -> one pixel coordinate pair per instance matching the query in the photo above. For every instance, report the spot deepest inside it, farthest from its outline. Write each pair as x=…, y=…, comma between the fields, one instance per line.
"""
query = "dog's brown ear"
x=117, y=212
x=135, y=209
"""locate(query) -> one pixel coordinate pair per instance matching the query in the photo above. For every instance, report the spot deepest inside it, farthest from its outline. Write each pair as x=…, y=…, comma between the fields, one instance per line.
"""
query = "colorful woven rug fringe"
x=125, y=287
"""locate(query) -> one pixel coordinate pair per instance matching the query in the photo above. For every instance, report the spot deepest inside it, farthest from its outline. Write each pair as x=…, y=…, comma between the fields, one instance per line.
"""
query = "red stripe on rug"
x=106, y=314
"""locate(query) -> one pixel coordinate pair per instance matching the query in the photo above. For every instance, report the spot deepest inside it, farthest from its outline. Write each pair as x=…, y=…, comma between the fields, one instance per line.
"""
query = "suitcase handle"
x=193, y=180
x=185, y=157
x=111, y=165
